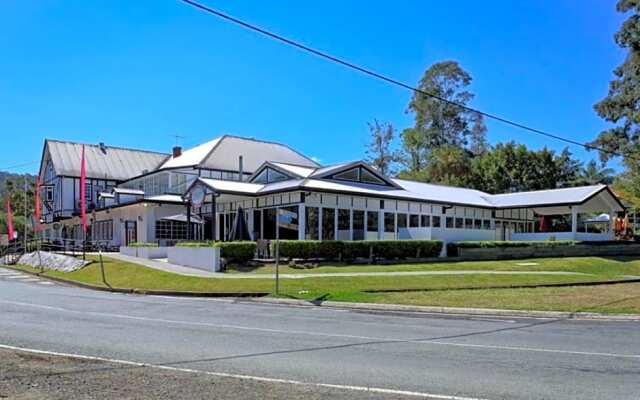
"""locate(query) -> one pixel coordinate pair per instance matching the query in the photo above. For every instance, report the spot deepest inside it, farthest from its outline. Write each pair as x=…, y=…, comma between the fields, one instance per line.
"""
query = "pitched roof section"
x=541, y=198
x=223, y=154
x=114, y=163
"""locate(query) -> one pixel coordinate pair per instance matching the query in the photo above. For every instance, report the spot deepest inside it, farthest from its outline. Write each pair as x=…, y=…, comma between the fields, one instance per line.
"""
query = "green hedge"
x=237, y=251
x=349, y=250
x=232, y=251
x=142, y=244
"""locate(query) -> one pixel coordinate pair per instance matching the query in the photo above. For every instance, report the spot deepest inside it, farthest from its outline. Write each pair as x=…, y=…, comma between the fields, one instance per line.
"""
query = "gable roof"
x=113, y=163
x=222, y=153
x=551, y=197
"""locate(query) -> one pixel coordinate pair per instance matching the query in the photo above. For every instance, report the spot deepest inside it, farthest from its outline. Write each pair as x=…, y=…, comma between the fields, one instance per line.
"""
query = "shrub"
x=143, y=244
x=237, y=251
x=349, y=250
x=232, y=251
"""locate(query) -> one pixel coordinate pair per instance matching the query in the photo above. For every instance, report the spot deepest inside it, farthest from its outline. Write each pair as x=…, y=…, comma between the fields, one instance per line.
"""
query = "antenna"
x=177, y=137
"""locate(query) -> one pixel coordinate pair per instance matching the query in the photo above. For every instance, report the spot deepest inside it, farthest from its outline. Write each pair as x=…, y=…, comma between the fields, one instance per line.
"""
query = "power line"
x=394, y=81
x=17, y=166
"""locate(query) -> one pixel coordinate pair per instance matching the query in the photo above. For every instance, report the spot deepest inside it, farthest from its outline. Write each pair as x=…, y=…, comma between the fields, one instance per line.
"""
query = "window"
x=402, y=221
x=414, y=220
x=459, y=223
x=372, y=221
x=358, y=225
x=257, y=224
x=88, y=191
x=349, y=175
x=435, y=221
x=477, y=224
x=368, y=177
x=288, y=222
x=449, y=222
x=269, y=223
x=389, y=222
x=311, y=223
x=48, y=193
x=328, y=224
x=486, y=224
x=269, y=175
x=468, y=223
x=172, y=230
x=343, y=224
x=425, y=221
x=102, y=230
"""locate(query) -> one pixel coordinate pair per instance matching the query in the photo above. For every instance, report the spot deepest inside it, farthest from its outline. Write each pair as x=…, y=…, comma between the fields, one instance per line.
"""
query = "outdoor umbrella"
x=239, y=230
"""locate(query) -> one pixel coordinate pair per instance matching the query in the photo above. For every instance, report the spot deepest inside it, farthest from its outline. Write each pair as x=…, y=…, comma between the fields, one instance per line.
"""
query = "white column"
x=302, y=222
x=335, y=224
x=380, y=224
x=574, y=221
x=250, y=222
x=320, y=222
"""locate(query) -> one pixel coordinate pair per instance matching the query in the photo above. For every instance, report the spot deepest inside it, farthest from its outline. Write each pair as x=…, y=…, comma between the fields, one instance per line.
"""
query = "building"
x=143, y=196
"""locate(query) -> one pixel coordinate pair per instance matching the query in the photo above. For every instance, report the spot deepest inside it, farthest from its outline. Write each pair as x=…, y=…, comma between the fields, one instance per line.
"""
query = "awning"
x=182, y=218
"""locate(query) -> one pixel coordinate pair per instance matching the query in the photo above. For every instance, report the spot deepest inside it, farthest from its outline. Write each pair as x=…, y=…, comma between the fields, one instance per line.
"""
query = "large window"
x=102, y=230
x=414, y=220
x=343, y=224
x=449, y=222
x=435, y=221
x=459, y=223
x=372, y=221
x=468, y=223
x=269, y=223
x=269, y=175
x=328, y=224
x=288, y=222
x=402, y=221
x=425, y=221
x=173, y=230
x=389, y=222
x=311, y=223
x=358, y=225
x=257, y=224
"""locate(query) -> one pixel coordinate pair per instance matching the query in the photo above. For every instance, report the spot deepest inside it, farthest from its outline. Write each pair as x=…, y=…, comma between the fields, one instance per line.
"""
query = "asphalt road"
x=344, y=351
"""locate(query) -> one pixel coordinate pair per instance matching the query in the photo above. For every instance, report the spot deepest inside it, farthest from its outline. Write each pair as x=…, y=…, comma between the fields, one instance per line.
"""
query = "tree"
x=622, y=104
x=442, y=123
x=379, y=151
x=415, y=150
x=479, y=143
x=568, y=169
x=449, y=165
x=594, y=174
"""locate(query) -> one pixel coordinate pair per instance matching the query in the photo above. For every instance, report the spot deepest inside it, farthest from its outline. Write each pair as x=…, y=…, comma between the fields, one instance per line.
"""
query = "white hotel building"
x=143, y=196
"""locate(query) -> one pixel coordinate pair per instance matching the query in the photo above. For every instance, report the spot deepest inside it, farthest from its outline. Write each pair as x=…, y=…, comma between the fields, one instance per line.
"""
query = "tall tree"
x=415, y=149
x=567, y=169
x=479, y=144
x=594, y=174
x=380, y=152
x=440, y=122
x=622, y=104
x=449, y=165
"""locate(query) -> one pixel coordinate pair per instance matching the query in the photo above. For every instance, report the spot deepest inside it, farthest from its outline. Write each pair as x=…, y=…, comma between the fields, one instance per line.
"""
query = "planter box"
x=205, y=258
x=144, y=252
x=579, y=250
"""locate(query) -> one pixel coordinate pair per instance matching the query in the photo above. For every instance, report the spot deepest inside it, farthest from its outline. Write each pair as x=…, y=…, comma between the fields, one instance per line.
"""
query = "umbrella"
x=543, y=224
x=239, y=230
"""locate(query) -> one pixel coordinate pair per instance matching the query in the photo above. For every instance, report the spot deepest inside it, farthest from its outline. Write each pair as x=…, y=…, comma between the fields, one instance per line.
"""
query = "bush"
x=142, y=244
x=349, y=250
x=237, y=251
x=232, y=251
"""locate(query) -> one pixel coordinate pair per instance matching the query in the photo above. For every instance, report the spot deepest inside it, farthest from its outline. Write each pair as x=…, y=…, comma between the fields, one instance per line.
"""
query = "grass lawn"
x=128, y=275
x=600, y=266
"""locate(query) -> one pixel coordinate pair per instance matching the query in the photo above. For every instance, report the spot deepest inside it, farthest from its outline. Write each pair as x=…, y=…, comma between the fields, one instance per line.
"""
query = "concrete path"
x=402, y=356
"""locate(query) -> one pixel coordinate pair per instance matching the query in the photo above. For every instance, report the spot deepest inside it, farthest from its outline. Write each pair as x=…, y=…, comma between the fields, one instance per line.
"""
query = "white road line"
x=245, y=377
x=45, y=283
x=334, y=335
x=30, y=280
x=17, y=277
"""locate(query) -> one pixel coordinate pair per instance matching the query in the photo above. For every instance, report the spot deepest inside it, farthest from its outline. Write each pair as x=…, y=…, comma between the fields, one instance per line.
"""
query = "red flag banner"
x=10, y=230
x=83, y=191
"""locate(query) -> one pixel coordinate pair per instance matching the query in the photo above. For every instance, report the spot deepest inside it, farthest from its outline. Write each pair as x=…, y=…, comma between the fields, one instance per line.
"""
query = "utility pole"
x=25, y=212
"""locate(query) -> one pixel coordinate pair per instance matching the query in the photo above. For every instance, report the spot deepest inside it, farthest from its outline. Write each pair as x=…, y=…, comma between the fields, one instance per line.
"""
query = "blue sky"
x=132, y=73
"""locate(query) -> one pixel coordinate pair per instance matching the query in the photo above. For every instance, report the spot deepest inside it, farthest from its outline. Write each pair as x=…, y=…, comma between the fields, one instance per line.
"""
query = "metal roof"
x=108, y=162
x=223, y=153
x=539, y=198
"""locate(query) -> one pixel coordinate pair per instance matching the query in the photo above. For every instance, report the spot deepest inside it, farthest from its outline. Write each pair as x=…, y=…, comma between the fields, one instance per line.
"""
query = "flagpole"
x=25, y=213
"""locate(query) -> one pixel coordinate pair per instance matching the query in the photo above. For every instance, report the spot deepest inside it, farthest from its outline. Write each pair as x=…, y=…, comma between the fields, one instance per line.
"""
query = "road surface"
x=336, y=352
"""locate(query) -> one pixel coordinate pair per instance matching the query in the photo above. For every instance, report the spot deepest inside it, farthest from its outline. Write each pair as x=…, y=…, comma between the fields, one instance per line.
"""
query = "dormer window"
x=270, y=175
x=359, y=174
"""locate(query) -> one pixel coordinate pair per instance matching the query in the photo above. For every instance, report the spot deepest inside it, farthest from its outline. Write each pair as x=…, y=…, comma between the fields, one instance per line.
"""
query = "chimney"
x=177, y=151
x=240, y=172
x=103, y=148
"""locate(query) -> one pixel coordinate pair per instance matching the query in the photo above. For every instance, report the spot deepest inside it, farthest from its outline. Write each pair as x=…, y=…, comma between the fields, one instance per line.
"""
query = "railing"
x=11, y=253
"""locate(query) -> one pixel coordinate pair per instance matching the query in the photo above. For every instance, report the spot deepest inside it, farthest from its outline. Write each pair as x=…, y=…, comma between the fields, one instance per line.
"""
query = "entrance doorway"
x=130, y=232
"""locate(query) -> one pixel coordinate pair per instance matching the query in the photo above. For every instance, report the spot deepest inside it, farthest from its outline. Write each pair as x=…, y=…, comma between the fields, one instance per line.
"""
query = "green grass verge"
x=128, y=275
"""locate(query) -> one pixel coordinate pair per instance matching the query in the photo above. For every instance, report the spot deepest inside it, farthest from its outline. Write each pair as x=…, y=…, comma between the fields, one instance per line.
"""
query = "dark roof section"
x=108, y=162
